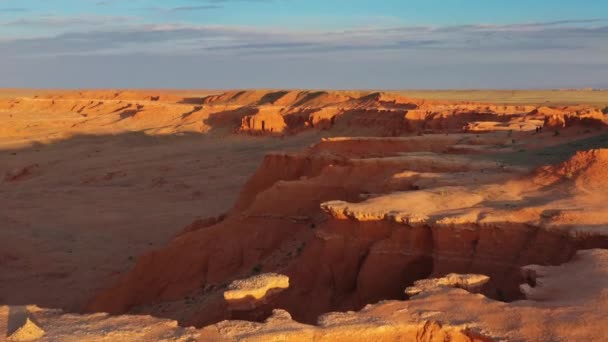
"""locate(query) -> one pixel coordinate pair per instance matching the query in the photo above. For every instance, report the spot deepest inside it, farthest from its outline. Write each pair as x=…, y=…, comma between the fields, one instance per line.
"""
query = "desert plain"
x=301, y=215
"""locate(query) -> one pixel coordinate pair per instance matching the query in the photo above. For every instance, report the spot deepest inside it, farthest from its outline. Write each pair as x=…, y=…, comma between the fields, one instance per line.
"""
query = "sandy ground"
x=597, y=98
x=532, y=97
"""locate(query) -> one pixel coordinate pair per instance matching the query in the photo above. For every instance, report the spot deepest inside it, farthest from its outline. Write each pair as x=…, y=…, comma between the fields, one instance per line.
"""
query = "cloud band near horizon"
x=561, y=53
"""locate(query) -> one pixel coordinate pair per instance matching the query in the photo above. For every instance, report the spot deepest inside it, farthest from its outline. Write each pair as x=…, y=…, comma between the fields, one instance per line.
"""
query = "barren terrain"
x=269, y=215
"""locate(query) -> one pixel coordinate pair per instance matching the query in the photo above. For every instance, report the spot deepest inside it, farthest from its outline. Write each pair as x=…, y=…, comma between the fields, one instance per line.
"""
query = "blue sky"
x=404, y=44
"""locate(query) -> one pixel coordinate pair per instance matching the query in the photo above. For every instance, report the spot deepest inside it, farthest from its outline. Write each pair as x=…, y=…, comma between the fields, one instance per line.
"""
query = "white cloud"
x=563, y=54
x=104, y=35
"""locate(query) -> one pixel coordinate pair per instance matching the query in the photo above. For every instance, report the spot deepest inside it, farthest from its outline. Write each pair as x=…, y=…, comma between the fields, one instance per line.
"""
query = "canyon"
x=272, y=215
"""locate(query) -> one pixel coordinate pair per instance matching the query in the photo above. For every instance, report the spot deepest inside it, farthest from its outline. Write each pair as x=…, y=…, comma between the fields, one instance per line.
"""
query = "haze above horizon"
x=332, y=44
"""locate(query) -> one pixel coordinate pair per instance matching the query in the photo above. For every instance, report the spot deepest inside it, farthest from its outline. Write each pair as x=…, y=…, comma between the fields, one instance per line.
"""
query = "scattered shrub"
x=301, y=248
x=256, y=269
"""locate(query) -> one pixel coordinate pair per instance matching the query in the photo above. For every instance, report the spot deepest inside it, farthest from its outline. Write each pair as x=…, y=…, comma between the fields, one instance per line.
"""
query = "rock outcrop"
x=470, y=282
x=279, y=113
x=247, y=294
x=375, y=216
x=51, y=325
x=264, y=122
x=557, y=308
x=29, y=331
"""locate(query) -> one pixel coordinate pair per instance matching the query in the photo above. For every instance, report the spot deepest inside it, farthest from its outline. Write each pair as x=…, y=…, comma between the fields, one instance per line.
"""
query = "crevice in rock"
x=407, y=254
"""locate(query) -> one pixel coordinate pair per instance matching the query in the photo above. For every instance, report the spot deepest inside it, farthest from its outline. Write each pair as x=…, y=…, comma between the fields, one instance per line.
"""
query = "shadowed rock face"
x=442, y=234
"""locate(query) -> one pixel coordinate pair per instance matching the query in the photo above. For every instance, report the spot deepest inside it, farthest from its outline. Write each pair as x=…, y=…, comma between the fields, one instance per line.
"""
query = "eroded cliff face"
x=564, y=302
x=413, y=225
x=355, y=221
x=274, y=113
x=559, y=305
x=427, y=235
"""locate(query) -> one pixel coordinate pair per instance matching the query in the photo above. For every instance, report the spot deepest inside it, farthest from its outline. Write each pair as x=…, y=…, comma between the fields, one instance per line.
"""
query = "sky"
x=328, y=44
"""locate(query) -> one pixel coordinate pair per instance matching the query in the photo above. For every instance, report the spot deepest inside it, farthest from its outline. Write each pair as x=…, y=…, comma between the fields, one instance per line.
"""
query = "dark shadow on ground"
x=552, y=154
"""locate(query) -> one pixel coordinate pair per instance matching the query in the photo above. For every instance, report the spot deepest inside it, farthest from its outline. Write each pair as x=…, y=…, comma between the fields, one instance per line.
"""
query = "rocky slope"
x=417, y=221
x=351, y=226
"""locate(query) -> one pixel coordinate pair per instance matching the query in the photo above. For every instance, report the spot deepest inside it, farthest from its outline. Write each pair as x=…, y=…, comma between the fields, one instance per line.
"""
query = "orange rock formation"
x=403, y=222
x=272, y=112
